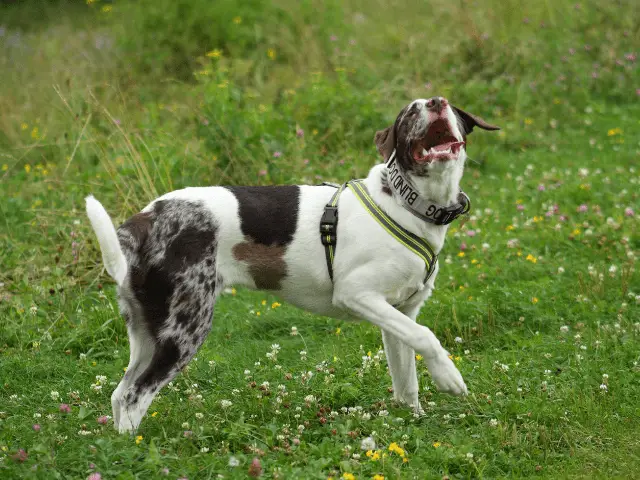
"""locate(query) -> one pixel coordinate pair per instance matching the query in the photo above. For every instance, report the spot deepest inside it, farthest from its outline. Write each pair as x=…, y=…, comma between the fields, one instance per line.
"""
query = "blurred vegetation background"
x=167, y=93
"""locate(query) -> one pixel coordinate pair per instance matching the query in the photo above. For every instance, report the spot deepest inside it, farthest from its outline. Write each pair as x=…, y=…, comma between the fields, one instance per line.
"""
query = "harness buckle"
x=328, y=224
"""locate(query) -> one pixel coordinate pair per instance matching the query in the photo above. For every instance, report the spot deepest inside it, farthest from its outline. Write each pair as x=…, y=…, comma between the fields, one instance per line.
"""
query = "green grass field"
x=538, y=297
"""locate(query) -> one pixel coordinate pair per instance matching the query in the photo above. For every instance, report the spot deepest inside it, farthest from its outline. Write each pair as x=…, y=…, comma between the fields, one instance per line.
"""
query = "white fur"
x=112, y=255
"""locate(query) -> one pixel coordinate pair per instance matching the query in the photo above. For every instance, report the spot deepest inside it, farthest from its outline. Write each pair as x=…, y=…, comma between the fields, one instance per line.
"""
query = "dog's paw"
x=446, y=376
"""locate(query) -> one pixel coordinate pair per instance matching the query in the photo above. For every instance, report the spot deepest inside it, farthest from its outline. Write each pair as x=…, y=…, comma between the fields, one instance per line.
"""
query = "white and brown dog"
x=171, y=261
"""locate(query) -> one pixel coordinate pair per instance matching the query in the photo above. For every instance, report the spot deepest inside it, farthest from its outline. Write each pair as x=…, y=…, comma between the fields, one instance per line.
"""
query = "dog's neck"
x=440, y=187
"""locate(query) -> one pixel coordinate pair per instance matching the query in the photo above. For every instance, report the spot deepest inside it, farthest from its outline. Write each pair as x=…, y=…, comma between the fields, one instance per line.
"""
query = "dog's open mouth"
x=439, y=143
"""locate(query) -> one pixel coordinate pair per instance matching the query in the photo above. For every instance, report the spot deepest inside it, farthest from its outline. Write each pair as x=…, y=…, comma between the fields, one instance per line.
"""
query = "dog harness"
x=433, y=213
x=329, y=227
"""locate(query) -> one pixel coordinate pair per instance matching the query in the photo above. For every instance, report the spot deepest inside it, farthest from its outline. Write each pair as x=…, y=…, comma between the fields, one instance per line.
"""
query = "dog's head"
x=428, y=135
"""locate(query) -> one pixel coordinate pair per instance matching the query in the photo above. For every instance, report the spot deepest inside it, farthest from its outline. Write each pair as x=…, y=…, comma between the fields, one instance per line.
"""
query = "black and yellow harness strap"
x=329, y=227
x=329, y=223
x=413, y=242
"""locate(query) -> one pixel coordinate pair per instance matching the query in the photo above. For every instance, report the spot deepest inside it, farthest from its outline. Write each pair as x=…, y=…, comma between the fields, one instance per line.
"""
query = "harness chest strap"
x=329, y=223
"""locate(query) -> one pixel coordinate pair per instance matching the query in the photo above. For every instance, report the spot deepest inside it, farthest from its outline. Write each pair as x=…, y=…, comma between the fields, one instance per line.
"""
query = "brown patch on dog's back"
x=266, y=263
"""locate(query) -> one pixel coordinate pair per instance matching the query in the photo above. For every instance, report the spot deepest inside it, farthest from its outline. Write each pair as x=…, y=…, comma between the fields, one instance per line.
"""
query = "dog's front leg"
x=402, y=367
x=374, y=308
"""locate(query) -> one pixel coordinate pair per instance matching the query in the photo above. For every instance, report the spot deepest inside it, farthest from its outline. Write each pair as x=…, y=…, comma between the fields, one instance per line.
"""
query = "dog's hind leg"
x=167, y=298
x=142, y=347
x=173, y=351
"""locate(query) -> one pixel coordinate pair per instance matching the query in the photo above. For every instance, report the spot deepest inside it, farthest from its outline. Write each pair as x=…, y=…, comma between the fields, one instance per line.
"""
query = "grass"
x=538, y=294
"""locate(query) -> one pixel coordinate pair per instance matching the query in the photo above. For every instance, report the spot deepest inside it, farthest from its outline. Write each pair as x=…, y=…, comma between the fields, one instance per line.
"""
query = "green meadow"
x=538, y=296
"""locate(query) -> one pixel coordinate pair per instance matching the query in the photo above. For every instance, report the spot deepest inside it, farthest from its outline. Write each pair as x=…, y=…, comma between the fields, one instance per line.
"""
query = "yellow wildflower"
x=107, y=8
x=263, y=302
x=528, y=121
x=23, y=126
x=509, y=228
x=215, y=53
x=378, y=477
x=258, y=314
x=338, y=330
x=614, y=131
x=474, y=261
x=27, y=168
x=461, y=254
x=139, y=439
x=271, y=53
x=534, y=300
x=5, y=167
x=537, y=219
x=314, y=131
x=348, y=476
x=436, y=444
x=237, y=20
x=233, y=291
x=418, y=357
x=275, y=305
x=395, y=448
x=576, y=231
x=34, y=133
x=154, y=414
x=531, y=258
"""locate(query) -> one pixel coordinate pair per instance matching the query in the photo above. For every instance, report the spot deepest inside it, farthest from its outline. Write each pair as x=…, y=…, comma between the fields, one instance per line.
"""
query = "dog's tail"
x=112, y=255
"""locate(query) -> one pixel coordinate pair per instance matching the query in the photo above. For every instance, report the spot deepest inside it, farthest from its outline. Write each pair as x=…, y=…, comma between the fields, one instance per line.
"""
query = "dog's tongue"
x=446, y=146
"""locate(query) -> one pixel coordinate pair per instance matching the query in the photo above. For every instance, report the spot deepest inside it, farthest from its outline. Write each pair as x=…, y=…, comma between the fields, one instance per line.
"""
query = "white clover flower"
x=225, y=403
x=204, y=449
x=366, y=416
x=233, y=461
x=294, y=331
x=185, y=425
x=199, y=415
x=560, y=269
x=54, y=395
x=564, y=329
x=309, y=399
x=383, y=413
x=604, y=388
x=458, y=340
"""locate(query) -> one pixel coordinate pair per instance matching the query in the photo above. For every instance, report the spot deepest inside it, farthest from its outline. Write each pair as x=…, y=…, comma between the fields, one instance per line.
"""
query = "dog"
x=171, y=261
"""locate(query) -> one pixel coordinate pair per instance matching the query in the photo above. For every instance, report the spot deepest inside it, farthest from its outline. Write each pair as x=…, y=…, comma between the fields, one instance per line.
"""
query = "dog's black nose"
x=436, y=104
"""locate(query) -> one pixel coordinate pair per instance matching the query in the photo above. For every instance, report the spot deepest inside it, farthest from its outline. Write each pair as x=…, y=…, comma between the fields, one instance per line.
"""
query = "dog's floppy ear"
x=386, y=141
x=470, y=120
